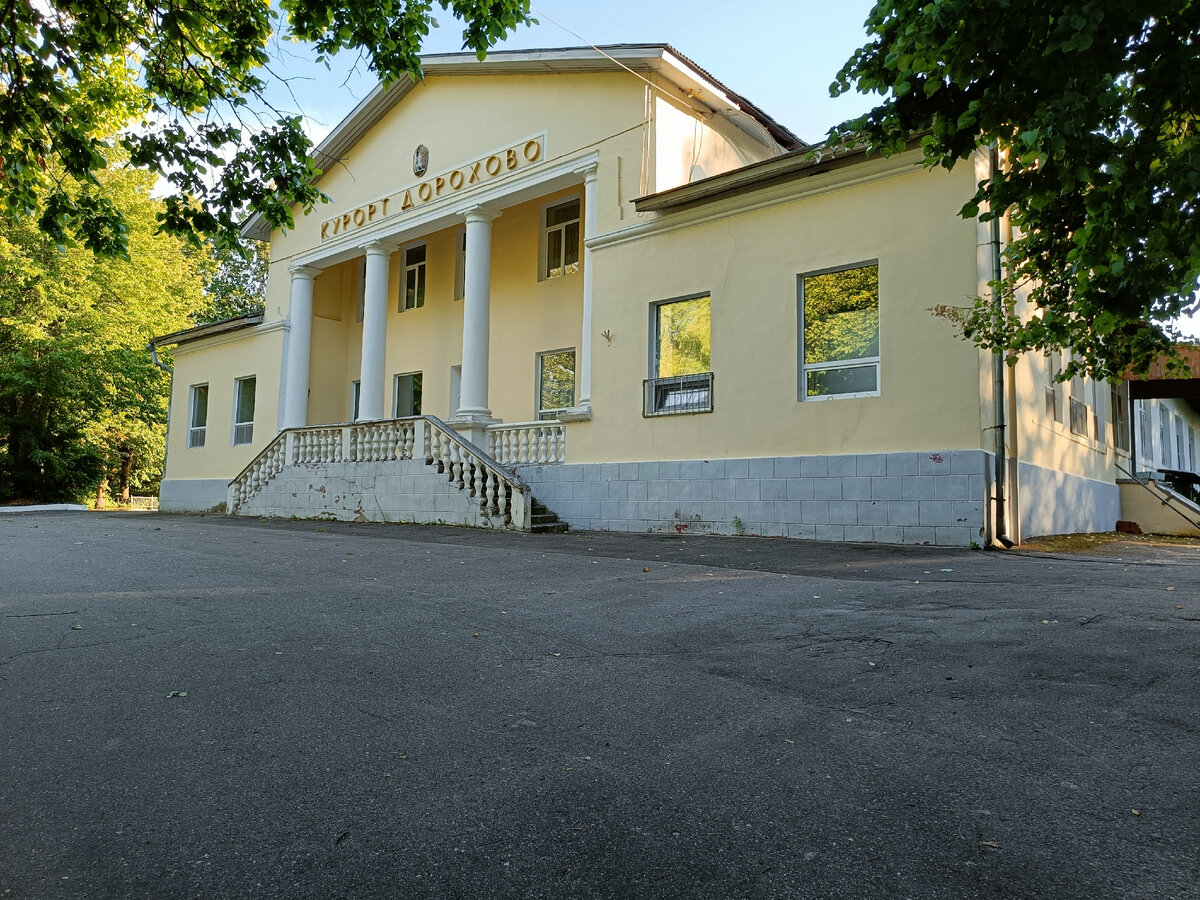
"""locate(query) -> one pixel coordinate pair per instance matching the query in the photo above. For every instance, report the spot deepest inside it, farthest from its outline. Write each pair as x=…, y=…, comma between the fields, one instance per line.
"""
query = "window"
x=198, y=416
x=1180, y=461
x=839, y=333
x=407, y=394
x=556, y=382
x=243, y=410
x=680, y=367
x=1054, y=388
x=412, y=286
x=1164, y=437
x=1192, y=448
x=1080, y=414
x=560, y=237
x=360, y=309
x=355, y=396
x=1119, y=399
x=460, y=265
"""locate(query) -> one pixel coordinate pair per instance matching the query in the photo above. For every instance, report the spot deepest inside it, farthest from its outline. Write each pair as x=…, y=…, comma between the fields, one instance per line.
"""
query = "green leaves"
x=172, y=85
x=1093, y=106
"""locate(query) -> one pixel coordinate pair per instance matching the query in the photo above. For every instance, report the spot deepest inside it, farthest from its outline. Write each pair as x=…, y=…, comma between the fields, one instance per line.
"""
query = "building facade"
x=607, y=282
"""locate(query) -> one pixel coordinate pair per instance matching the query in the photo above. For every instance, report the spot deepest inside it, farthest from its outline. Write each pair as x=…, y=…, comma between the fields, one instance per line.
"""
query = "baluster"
x=478, y=487
x=408, y=431
x=502, y=503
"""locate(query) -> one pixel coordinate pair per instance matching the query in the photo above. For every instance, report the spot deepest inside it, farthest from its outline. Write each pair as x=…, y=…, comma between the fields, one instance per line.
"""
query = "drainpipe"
x=998, y=393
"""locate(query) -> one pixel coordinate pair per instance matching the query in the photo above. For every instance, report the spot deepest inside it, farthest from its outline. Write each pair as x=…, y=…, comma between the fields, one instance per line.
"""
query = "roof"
x=662, y=59
x=211, y=329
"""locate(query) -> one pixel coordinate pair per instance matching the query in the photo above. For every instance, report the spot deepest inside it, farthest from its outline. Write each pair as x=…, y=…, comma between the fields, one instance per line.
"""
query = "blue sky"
x=780, y=54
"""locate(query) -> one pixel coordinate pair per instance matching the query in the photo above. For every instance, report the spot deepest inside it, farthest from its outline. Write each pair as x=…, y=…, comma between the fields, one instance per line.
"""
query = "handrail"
x=500, y=492
x=1167, y=498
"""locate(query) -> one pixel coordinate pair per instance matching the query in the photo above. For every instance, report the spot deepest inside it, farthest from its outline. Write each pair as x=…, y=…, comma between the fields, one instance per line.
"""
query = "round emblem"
x=420, y=160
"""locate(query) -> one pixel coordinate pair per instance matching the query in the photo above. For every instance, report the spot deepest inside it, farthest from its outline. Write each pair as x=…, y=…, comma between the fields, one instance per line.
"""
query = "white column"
x=374, y=336
x=473, y=398
x=590, y=205
x=295, y=388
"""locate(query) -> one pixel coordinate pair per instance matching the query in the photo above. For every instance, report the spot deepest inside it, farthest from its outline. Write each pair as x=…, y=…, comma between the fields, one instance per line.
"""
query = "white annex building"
x=603, y=289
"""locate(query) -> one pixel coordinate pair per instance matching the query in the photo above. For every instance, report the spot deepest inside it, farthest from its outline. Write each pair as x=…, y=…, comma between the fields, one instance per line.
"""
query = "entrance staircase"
x=414, y=469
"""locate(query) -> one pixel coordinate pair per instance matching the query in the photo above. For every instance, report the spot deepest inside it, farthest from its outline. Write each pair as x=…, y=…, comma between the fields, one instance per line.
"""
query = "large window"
x=407, y=395
x=560, y=240
x=556, y=382
x=1080, y=414
x=197, y=415
x=680, y=366
x=412, y=286
x=839, y=333
x=243, y=410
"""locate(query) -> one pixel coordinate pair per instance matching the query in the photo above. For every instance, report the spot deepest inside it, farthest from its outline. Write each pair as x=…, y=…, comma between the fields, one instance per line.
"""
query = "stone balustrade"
x=528, y=443
x=499, y=498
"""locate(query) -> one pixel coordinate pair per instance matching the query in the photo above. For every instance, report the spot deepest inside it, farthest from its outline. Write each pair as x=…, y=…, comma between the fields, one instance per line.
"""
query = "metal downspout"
x=998, y=393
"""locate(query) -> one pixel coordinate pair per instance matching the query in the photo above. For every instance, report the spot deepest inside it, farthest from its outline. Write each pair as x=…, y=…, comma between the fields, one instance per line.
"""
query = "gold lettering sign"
x=444, y=185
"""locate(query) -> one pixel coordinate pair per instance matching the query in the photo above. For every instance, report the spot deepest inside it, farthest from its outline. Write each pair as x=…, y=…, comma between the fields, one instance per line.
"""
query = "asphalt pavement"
x=202, y=707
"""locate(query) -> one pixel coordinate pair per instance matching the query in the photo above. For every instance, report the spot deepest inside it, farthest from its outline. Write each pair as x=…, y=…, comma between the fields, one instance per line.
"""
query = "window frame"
x=863, y=362
x=238, y=387
x=544, y=230
x=657, y=390
x=421, y=269
x=412, y=394
x=196, y=434
x=539, y=411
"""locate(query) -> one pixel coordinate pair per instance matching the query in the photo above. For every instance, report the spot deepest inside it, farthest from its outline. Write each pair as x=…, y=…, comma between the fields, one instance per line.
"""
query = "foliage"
x=1092, y=105
x=236, y=282
x=841, y=315
x=79, y=394
x=183, y=83
x=684, y=337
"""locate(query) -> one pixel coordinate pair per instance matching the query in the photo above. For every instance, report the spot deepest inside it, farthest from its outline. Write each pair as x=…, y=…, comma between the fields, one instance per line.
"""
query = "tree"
x=1092, y=107
x=236, y=284
x=180, y=88
x=80, y=398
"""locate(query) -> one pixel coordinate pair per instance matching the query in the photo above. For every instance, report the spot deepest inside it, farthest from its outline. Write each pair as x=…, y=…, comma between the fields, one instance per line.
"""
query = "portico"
x=446, y=212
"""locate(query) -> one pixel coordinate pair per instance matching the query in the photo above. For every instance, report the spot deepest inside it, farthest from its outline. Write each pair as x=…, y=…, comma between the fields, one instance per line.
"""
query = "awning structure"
x=1157, y=383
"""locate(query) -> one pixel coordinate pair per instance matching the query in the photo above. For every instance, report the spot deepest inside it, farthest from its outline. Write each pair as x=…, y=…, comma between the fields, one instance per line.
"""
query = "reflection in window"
x=556, y=382
x=681, y=377
x=414, y=278
x=840, y=315
x=243, y=410
x=562, y=239
x=408, y=395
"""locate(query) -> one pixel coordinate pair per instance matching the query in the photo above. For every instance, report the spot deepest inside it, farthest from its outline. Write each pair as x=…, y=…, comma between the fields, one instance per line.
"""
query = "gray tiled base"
x=1069, y=504
x=193, y=495
x=935, y=497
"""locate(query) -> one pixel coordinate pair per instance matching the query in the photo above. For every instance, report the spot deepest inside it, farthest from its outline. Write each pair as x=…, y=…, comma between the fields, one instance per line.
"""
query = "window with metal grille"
x=680, y=358
x=243, y=410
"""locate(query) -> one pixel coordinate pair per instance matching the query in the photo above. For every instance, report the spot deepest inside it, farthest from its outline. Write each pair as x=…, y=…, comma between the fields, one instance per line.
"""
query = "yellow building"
x=606, y=281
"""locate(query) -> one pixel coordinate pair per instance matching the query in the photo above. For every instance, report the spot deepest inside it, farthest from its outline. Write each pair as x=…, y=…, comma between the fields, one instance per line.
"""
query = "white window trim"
x=422, y=266
x=396, y=391
x=544, y=240
x=194, y=430
x=861, y=362
x=237, y=390
x=537, y=382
